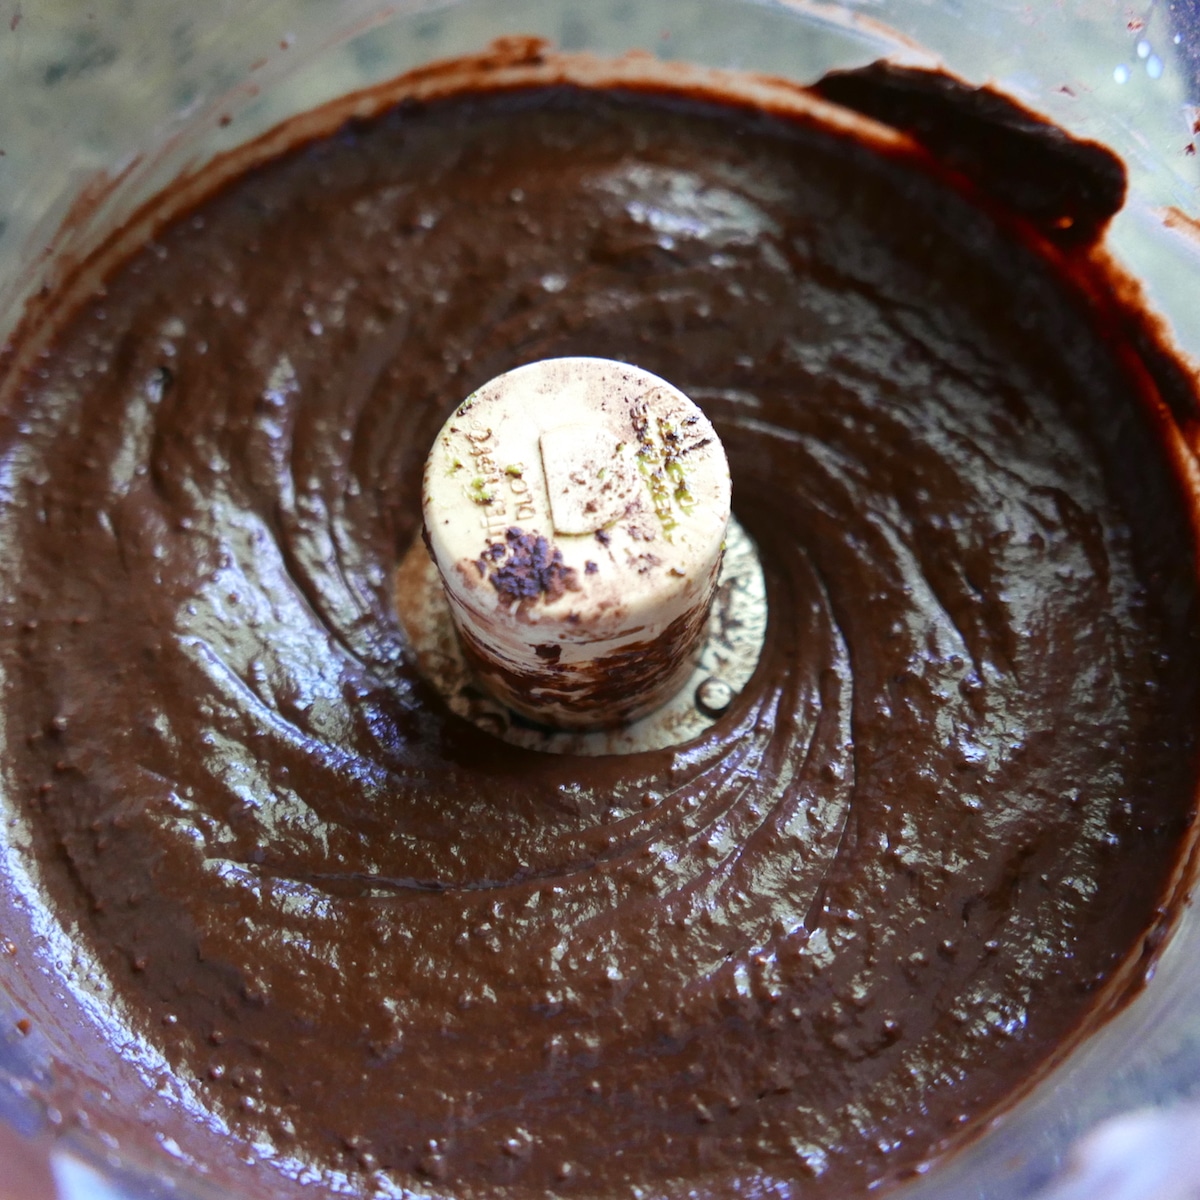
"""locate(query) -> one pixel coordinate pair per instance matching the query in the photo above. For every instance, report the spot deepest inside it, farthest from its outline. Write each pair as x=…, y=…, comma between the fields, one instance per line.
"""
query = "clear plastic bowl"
x=113, y=100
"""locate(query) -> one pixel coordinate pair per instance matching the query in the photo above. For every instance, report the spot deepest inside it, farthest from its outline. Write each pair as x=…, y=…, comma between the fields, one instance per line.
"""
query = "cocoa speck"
x=525, y=566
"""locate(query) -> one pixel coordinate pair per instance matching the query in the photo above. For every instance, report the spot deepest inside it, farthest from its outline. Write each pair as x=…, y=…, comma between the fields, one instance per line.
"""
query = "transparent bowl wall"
x=137, y=91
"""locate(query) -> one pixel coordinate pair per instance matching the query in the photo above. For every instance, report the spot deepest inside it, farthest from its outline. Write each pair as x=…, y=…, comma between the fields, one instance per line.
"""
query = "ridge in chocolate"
x=1067, y=187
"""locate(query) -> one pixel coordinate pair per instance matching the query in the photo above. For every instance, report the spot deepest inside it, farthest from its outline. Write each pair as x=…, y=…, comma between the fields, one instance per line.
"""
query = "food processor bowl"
x=106, y=104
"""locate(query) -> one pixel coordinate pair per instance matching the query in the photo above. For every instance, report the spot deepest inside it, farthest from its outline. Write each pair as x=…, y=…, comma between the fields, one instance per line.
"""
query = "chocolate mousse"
x=923, y=852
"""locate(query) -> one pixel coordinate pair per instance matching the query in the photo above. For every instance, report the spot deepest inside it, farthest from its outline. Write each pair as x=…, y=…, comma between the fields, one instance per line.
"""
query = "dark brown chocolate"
x=917, y=856
x=1066, y=187
x=524, y=566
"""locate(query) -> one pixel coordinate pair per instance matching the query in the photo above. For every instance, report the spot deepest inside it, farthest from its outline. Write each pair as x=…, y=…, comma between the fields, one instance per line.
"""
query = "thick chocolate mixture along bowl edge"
x=68, y=1062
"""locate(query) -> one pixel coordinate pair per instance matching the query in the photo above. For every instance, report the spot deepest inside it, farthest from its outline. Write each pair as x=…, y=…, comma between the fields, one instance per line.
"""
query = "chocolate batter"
x=917, y=857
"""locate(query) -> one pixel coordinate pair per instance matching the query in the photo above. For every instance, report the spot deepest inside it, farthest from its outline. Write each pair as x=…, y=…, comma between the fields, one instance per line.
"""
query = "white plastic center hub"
x=576, y=510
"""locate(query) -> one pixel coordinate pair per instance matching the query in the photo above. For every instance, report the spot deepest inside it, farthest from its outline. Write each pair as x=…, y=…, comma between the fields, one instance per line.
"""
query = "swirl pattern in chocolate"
x=809, y=948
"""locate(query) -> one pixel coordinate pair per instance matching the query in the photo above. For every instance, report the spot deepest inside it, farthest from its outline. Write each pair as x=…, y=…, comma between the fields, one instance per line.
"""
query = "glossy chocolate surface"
x=921, y=849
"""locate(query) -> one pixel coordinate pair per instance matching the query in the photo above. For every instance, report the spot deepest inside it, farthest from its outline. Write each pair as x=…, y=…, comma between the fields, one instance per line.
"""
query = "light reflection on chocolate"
x=914, y=858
